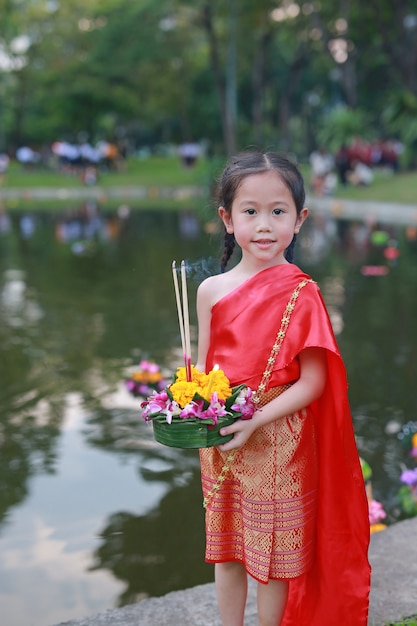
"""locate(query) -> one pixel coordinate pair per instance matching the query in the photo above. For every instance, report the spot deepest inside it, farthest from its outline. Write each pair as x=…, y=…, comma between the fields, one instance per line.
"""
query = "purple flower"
x=143, y=390
x=409, y=477
x=130, y=385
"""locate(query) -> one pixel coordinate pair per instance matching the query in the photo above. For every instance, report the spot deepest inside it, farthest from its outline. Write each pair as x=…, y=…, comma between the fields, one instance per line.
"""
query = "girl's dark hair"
x=248, y=163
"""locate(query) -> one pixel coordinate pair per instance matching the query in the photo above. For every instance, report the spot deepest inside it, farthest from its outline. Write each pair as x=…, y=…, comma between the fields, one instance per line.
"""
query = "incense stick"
x=179, y=311
x=186, y=321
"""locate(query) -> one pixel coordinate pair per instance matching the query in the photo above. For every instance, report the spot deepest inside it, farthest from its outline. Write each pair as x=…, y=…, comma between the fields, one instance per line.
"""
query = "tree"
x=235, y=73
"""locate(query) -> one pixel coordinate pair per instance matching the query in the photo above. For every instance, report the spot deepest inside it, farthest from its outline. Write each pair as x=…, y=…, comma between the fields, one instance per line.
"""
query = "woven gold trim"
x=271, y=394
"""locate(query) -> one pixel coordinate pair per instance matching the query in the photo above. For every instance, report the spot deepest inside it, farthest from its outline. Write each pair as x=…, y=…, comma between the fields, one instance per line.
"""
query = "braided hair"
x=256, y=162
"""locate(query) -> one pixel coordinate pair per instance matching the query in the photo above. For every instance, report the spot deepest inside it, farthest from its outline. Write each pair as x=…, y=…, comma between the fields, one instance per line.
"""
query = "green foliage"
x=341, y=125
x=407, y=501
x=164, y=71
x=409, y=621
x=400, y=116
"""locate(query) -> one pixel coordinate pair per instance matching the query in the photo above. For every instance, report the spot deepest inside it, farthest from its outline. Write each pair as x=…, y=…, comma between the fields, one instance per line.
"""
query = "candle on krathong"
x=179, y=310
x=211, y=382
x=186, y=322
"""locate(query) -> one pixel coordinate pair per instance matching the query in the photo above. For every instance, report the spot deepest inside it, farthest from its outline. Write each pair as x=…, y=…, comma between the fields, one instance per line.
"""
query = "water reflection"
x=145, y=551
x=94, y=513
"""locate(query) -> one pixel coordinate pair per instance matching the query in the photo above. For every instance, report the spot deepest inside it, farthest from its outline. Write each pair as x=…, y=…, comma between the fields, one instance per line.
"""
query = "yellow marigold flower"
x=196, y=375
x=376, y=528
x=139, y=377
x=203, y=384
x=147, y=377
x=183, y=392
x=217, y=381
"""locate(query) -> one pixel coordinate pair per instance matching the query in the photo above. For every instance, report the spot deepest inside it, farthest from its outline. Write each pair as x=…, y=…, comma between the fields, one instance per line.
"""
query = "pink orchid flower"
x=190, y=410
x=157, y=403
x=171, y=410
x=217, y=407
x=244, y=404
x=376, y=512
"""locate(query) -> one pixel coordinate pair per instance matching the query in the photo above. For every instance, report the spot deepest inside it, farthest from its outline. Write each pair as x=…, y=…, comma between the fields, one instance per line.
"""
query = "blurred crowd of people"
x=73, y=156
x=353, y=164
x=80, y=159
x=87, y=160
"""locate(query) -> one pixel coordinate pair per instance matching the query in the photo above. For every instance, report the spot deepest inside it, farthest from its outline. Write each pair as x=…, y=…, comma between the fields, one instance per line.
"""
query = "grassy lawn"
x=411, y=621
x=401, y=188
x=153, y=171
x=160, y=171
x=387, y=187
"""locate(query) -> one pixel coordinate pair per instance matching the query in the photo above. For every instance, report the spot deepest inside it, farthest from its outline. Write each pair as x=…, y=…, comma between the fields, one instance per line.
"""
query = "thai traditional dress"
x=293, y=504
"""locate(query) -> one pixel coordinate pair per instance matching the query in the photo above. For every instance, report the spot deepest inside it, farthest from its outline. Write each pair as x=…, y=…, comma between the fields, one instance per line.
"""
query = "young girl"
x=285, y=498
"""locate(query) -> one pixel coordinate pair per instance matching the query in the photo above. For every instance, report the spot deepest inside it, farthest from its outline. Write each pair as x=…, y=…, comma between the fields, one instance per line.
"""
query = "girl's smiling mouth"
x=264, y=242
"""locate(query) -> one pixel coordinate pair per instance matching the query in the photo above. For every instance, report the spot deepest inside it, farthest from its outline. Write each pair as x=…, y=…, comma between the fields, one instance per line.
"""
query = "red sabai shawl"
x=335, y=592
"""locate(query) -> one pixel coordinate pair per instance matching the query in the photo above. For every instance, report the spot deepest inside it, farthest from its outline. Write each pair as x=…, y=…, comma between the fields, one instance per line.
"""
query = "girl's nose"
x=263, y=223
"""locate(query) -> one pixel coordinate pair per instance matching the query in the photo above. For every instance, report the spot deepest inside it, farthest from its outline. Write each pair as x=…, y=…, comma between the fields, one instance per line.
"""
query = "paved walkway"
x=371, y=211
x=383, y=212
x=387, y=212
x=102, y=193
x=393, y=556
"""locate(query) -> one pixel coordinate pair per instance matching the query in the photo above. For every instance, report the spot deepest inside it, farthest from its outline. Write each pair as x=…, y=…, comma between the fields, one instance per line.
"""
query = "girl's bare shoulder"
x=216, y=287
x=211, y=286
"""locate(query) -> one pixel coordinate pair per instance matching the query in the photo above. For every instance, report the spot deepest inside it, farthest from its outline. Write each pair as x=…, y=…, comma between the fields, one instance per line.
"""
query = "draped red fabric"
x=335, y=591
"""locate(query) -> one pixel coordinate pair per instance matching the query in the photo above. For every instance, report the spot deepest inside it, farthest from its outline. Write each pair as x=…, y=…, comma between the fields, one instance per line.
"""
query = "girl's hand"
x=309, y=387
x=241, y=430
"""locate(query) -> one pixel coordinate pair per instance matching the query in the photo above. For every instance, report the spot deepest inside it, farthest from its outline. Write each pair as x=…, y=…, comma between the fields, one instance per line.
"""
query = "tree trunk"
x=226, y=92
x=258, y=87
x=295, y=70
x=399, y=40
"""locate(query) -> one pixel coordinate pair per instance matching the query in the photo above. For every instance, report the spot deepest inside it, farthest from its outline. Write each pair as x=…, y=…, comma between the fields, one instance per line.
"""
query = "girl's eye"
x=277, y=211
x=250, y=211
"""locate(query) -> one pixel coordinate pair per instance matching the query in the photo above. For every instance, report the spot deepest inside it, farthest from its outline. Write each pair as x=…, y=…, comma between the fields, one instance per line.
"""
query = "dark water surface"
x=93, y=513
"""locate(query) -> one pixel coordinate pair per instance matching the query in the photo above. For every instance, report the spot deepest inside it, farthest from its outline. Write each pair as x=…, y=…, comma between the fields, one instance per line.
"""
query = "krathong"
x=407, y=494
x=146, y=379
x=189, y=413
x=376, y=511
x=376, y=514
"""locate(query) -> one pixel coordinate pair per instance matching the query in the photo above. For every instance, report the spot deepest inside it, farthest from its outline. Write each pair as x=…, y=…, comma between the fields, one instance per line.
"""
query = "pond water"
x=93, y=513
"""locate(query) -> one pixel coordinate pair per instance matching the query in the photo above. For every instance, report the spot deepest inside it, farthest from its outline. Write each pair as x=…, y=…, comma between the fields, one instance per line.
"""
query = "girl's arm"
x=309, y=387
x=204, y=299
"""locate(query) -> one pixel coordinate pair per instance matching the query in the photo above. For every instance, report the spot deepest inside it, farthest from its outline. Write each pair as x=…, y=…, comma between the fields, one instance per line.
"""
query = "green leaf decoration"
x=407, y=501
x=366, y=470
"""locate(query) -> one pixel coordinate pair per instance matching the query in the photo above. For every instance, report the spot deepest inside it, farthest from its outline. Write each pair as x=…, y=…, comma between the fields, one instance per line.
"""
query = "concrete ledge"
x=393, y=556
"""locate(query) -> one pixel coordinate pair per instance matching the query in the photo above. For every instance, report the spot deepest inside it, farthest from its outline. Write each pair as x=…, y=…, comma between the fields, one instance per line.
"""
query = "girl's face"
x=263, y=218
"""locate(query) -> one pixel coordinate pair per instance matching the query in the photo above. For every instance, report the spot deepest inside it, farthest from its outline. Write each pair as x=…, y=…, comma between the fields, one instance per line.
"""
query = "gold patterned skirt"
x=264, y=513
